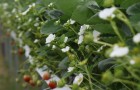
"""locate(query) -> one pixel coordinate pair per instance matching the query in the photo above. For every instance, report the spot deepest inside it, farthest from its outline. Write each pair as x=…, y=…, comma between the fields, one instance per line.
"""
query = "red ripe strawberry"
x=26, y=78
x=52, y=84
x=46, y=75
x=32, y=83
x=20, y=51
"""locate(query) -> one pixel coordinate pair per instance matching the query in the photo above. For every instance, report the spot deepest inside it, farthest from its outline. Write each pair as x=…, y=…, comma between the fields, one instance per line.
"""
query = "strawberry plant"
x=89, y=44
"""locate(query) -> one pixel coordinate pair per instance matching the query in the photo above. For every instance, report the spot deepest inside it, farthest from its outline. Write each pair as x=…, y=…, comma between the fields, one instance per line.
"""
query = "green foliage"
x=50, y=27
x=86, y=35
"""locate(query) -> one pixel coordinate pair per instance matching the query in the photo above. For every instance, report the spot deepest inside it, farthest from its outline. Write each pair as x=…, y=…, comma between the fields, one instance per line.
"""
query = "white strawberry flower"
x=82, y=29
x=136, y=38
x=50, y=5
x=70, y=21
x=66, y=49
x=119, y=51
x=65, y=39
x=36, y=40
x=70, y=69
x=107, y=13
x=132, y=62
x=78, y=79
x=50, y=38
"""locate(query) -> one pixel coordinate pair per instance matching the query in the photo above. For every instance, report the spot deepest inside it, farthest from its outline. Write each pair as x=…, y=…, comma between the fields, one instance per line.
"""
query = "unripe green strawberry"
x=71, y=56
x=135, y=50
x=24, y=85
x=61, y=83
x=39, y=83
x=118, y=72
x=108, y=3
x=88, y=37
x=83, y=62
x=75, y=87
x=107, y=77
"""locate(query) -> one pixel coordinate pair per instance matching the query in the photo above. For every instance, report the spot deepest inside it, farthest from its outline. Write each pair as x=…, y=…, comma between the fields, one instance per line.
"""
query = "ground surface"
x=5, y=81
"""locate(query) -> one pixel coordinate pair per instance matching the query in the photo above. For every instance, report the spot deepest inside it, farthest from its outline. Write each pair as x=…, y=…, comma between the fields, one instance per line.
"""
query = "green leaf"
x=134, y=9
x=54, y=14
x=105, y=64
x=49, y=27
x=67, y=6
x=64, y=63
x=95, y=19
x=100, y=2
x=118, y=2
x=135, y=21
x=104, y=28
x=110, y=39
x=93, y=6
x=126, y=3
x=82, y=13
x=46, y=2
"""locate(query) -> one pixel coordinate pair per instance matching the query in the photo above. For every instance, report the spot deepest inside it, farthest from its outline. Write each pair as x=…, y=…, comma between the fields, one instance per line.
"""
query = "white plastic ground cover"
x=53, y=77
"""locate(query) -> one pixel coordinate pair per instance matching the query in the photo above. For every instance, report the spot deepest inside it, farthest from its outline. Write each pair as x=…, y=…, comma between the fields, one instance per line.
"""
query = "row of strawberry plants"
x=90, y=44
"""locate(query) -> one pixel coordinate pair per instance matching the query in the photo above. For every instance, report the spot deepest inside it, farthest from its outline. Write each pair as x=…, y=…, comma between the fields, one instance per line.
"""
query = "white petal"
x=70, y=69
x=82, y=29
x=80, y=40
x=36, y=40
x=66, y=49
x=136, y=38
x=66, y=39
x=96, y=35
x=78, y=79
x=106, y=13
x=72, y=21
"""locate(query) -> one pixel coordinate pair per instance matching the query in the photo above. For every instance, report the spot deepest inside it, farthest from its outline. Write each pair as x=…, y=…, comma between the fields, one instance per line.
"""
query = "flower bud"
x=107, y=77
x=61, y=83
x=108, y=3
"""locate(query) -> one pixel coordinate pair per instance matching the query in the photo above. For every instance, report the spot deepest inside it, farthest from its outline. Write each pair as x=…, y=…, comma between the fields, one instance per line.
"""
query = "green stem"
x=88, y=74
x=132, y=73
x=126, y=81
x=123, y=18
x=116, y=30
x=103, y=43
x=73, y=30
